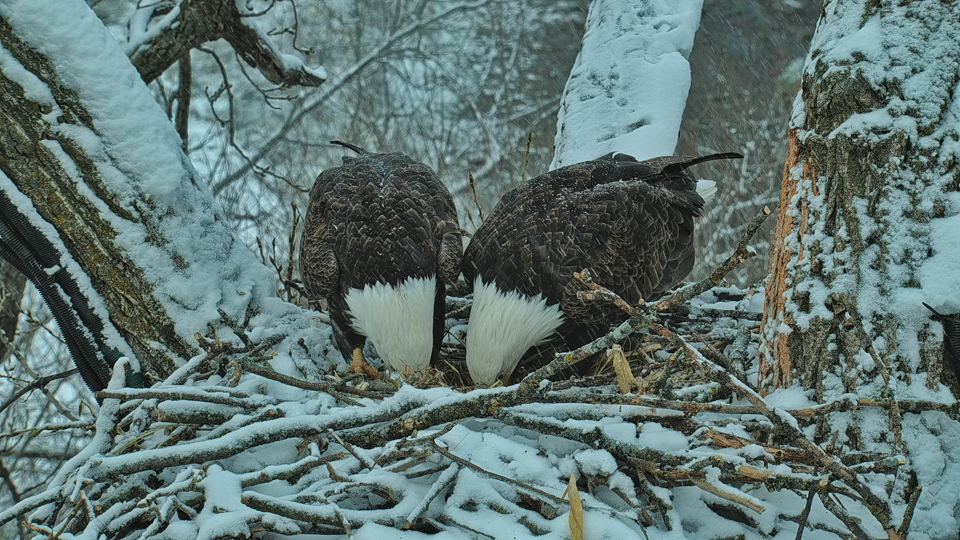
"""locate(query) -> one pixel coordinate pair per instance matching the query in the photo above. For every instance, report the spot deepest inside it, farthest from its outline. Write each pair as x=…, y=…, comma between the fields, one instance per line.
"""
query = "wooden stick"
x=739, y=255
x=805, y=514
x=908, y=514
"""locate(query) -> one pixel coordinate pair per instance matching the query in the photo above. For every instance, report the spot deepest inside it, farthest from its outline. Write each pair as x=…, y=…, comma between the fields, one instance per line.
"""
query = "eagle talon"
x=361, y=367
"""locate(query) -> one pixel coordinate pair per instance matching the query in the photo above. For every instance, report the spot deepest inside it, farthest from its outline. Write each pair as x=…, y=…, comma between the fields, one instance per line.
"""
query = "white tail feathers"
x=398, y=320
x=706, y=189
x=503, y=325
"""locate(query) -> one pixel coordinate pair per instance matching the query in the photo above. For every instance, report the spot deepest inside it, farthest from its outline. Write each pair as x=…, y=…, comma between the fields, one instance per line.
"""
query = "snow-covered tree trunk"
x=869, y=207
x=629, y=84
x=88, y=154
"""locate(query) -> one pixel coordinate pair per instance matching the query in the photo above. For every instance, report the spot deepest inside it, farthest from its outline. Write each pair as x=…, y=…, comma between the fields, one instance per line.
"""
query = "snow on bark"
x=108, y=172
x=156, y=39
x=867, y=231
x=327, y=455
x=629, y=84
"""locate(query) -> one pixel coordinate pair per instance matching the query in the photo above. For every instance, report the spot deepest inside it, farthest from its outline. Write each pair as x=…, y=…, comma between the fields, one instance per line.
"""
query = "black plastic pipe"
x=30, y=252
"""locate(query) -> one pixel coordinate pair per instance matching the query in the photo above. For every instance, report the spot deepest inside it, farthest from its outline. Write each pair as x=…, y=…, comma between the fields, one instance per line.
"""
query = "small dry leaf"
x=576, y=509
x=625, y=377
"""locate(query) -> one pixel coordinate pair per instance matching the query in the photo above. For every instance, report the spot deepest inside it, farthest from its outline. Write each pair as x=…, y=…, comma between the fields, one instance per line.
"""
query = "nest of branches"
x=670, y=436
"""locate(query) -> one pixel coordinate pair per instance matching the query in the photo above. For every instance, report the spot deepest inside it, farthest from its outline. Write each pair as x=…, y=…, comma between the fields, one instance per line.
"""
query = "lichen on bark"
x=871, y=165
x=28, y=141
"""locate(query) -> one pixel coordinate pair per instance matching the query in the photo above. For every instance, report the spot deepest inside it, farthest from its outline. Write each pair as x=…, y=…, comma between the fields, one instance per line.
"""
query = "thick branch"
x=200, y=21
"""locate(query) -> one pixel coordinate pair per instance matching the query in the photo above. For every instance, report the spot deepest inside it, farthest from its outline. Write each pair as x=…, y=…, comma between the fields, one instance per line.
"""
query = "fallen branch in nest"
x=481, y=463
x=637, y=316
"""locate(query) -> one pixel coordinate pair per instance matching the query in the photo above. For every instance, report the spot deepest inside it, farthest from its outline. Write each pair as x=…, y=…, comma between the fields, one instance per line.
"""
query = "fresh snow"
x=629, y=85
x=911, y=253
x=138, y=155
x=221, y=274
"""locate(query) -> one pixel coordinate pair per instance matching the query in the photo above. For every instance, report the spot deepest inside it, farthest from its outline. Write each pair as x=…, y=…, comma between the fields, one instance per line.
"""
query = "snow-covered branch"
x=99, y=169
x=628, y=87
x=158, y=40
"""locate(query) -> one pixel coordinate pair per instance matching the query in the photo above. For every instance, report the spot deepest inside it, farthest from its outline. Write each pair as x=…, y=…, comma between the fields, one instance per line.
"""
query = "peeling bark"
x=871, y=164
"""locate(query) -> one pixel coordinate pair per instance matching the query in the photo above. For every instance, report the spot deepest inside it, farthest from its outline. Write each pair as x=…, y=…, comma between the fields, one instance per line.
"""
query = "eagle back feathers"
x=629, y=222
x=378, y=218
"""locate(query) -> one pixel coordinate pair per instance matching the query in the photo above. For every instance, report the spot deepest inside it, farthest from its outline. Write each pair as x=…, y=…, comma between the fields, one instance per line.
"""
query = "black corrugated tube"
x=30, y=252
x=951, y=338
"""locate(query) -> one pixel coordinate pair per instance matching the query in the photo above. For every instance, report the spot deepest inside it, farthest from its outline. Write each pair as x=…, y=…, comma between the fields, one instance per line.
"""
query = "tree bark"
x=868, y=201
x=38, y=173
x=196, y=22
x=107, y=179
x=629, y=84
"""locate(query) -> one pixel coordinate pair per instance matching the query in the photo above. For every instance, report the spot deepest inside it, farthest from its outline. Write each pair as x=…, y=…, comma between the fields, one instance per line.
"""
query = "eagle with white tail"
x=380, y=243
x=630, y=223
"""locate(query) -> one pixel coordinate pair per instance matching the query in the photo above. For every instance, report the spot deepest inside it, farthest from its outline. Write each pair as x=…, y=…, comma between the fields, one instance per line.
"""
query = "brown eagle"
x=380, y=242
x=629, y=222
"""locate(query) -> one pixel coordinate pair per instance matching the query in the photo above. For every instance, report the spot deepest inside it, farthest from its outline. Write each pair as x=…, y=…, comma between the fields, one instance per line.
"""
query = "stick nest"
x=227, y=447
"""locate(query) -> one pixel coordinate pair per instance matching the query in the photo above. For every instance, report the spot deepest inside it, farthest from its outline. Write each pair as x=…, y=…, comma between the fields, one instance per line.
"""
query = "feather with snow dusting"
x=380, y=243
x=629, y=222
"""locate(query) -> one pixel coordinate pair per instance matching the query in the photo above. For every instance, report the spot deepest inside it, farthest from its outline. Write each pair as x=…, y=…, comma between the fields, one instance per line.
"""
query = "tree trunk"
x=89, y=155
x=629, y=84
x=868, y=215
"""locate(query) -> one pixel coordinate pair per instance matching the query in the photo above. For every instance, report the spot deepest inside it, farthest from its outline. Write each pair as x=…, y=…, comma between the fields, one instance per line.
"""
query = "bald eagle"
x=629, y=222
x=380, y=242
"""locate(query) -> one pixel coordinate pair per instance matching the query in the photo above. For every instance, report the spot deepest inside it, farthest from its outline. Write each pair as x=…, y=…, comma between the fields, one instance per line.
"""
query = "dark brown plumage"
x=951, y=339
x=629, y=222
x=374, y=224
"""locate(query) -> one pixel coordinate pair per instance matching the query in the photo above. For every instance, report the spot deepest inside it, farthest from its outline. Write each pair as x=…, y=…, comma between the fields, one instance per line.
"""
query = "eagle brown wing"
x=637, y=242
x=629, y=222
x=378, y=218
x=318, y=262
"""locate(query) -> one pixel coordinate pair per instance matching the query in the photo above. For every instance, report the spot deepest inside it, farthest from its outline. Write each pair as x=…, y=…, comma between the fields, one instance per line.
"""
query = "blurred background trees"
x=469, y=87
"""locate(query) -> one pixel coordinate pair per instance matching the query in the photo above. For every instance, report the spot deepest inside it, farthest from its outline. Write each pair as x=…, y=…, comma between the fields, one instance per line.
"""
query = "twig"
x=852, y=522
x=445, y=519
x=506, y=479
x=34, y=431
x=732, y=495
x=476, y=198
x=287, y=472
x=739, y=255
x=337, y=392
x=185, y=394
x=353, y=451
x=598, y=292
x=183, y=101
x=526, y=159
x=904, y=527
x=805, y=514
x=567, y=359
x=438, y=487
x=8, y=480
x=37, y=384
